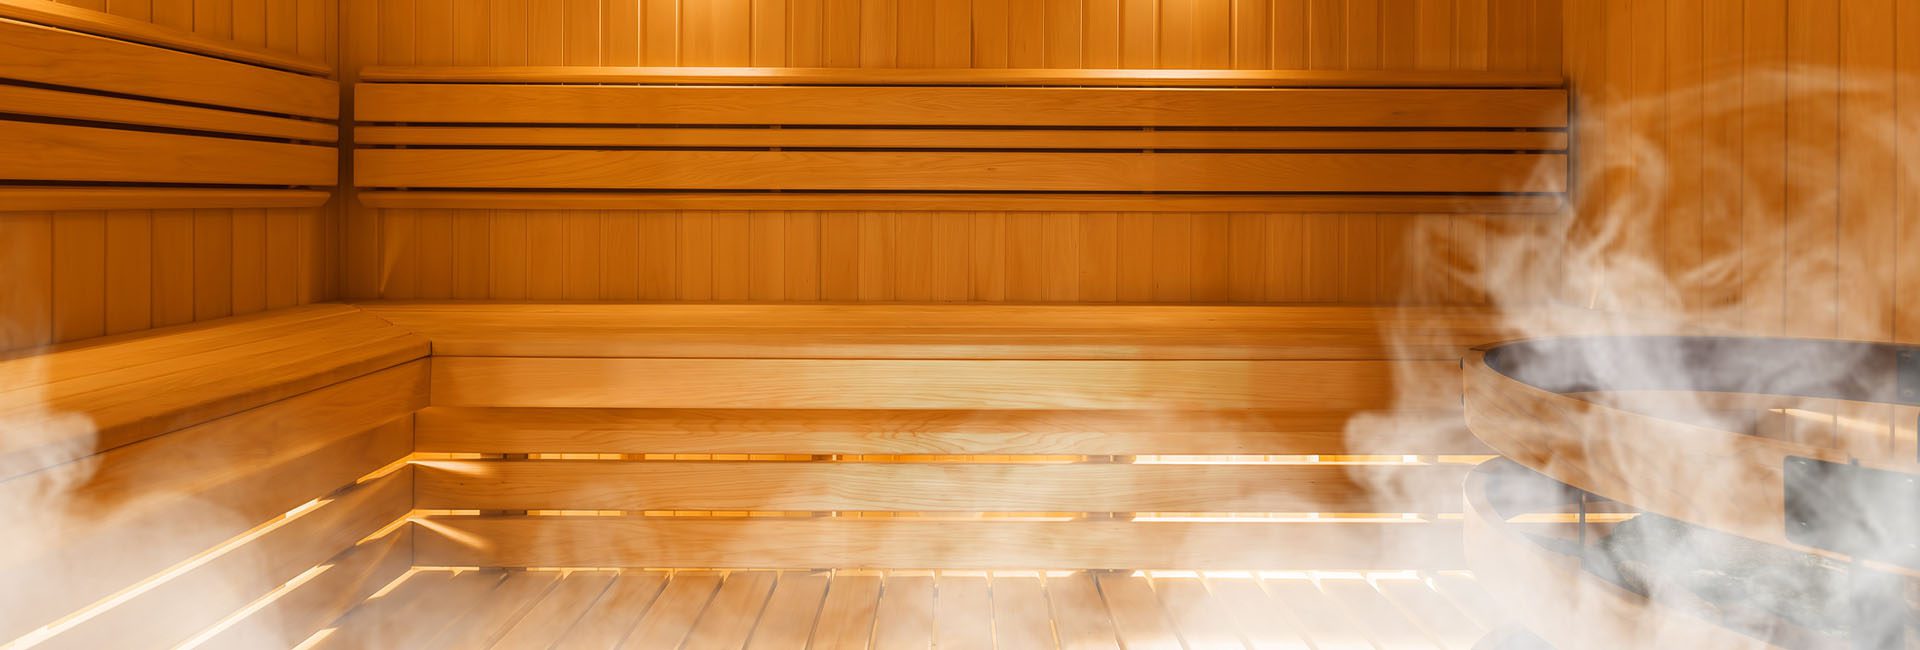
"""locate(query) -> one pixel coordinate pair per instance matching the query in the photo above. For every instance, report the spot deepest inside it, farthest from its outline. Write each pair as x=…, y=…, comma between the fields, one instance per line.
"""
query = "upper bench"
x=961, y=139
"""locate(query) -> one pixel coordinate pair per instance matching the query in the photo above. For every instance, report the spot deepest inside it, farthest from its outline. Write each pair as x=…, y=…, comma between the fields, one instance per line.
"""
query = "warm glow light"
x=87, y=613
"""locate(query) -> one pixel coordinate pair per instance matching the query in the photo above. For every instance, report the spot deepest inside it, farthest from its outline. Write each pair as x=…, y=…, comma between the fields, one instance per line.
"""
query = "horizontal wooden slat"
x=958, y=138
x=947, y=332
x=961, y=171
x=57, y=152
x=1375, y=203
x=72, y=403
x=190, y=602
x=26, y=100
x=906, y=544
x=36, y=199
x=965, y=76
x=1076, y=432
x=161, y=501
x=959, y=106
x=100, y=23
x=807, y=383
x=347, y=581
x=50, y=55
x=935, y=487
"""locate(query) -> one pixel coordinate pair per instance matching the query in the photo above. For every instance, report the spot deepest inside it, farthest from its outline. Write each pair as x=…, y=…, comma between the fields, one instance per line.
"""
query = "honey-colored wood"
x=557, y=611
x=672, y=615
x=729, y=618
x=40, y=54
x=958, y=106
x=791, y=610
x=797, y=383
x=138, y=30
x=961, y=432
x=974, y=202
x=736, y=486
x=1137, y=615
x=188, y=603
x=52, y=152
x=1776, y=214
x=868, y=543
x=414, y=611
x=954, y=138
x=956, y=171
x=950, y=331
x=504, y=606
x=132, y=389
x=348, y=580
x=951, y=76
x=27, y=100
x=613, y=616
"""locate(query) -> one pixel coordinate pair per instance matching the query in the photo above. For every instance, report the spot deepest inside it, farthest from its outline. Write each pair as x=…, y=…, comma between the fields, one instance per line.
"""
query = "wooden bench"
x=186, y=471
x=306, y=457
x=807, y=139
x=105, y=112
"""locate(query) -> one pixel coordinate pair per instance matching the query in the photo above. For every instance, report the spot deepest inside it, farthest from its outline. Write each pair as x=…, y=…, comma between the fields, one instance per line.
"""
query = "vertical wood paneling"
x=212, y=264
x=840, y=256
x=620, y=255
x=1869, y=143
x=732, y=250
x=129, y=275
x=546, y=254
x=1907, y=182
x=26, y=299
x=515, y=255
x=1788, y=154
x=79, y=274
x=250, y=261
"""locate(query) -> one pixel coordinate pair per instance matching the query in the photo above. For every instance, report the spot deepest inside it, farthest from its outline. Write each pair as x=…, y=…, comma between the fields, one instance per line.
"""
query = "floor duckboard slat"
x=730, y=617
x=557, y=612
x=616, y=613
x=905, y=619
x=672, y=616
x=704, y=609
x=503, y=607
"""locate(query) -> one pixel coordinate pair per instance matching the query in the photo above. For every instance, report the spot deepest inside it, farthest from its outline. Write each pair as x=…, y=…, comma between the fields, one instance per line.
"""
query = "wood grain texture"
x=911, y=34
x=959, y=106
x=737, y=486
x=41, y=54
x=190, y=602
x=132, y=389
x=960, y=205
x=1778, y=123
x=952, y=171
x=954, y=138
x=53, y=152
x=912, y=432
x=26, y=100
x=139, y=23
x=638, y=541
x=797, y=383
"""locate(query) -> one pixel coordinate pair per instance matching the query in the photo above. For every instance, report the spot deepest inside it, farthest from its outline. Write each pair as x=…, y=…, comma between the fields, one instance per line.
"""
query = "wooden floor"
x=594, y=608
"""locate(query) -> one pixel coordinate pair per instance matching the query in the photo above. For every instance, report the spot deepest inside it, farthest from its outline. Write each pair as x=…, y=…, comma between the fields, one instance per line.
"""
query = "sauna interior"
x=1000, y=324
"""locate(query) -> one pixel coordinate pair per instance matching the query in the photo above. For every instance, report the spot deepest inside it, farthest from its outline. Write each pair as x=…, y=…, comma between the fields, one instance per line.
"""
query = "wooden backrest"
x=932, y=436
x=1023, y=135
x=103, y=110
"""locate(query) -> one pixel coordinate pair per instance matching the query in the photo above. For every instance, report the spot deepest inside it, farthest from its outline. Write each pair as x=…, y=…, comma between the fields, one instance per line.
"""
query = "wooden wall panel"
x=74, y=274
x=775, y=256
x=79, y=274
x=1749, y=162
x=299, y=27
x=957, y=256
